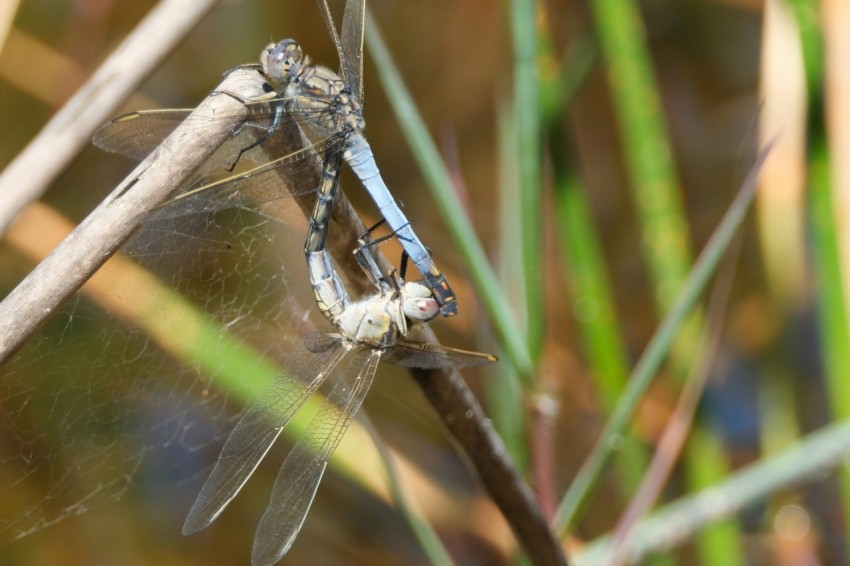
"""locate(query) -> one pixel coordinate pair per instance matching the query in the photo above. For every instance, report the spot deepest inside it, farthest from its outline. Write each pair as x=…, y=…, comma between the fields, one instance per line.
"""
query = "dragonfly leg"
x=367, y=241
x=269, y=129
x=402, y=272
x=372, y=228
x=398, y=233
x=365, y=260
x=267, y=97
x=367, y=263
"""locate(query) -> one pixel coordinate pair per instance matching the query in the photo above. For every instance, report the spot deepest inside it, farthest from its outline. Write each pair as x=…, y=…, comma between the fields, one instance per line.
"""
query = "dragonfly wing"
x=255, y=433
x=232, y=176
x=352, y=45
x=294, y=174
x=322, y=340
x=408, y=353
x=327, y=17
x=299, y=477
x=136, y=134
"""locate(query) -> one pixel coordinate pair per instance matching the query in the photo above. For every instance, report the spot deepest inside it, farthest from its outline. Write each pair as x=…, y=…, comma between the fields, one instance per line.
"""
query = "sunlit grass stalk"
x=835, y=27
x=655, y=353
x=595, y=315
x=808, y=460
x=502, y=393
x=593, y=305
x=592, y=298
x=830, y=303
x=779, y=429
x=719, y=541
x=172, y=323
x=422, y=530
x=646, y=147
x=833, y=323
x=590, y=291
x=664, y=227
x=526, y=102
x=781, y=226
x=807, y=15
x=452, y=211
x=599, y=328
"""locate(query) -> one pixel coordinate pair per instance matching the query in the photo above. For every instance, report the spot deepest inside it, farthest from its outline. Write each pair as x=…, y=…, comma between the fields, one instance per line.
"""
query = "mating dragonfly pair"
x=326, y=106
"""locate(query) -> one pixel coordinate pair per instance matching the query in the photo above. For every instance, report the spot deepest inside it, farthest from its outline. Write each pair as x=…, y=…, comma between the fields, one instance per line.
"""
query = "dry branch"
x=100, y=235
x=117, y=217
x=70, y=130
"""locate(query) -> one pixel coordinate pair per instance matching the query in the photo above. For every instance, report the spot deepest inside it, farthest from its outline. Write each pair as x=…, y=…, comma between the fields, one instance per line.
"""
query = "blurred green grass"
x=587, y=211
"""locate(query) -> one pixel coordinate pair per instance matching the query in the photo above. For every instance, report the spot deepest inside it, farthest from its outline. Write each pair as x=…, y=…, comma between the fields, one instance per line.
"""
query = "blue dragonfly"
x=326, y=106
x=377, y=328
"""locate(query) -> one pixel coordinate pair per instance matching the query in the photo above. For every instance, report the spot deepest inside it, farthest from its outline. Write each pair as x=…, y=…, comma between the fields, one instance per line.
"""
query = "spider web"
x=139, y=382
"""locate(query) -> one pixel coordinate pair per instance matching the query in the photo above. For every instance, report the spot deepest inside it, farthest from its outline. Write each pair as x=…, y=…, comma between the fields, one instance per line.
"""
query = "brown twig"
x=7, y=16
x=99, y=236
x=544, y=412
x=111, y=223
x=463, y=416
x=445, y=390
x=70, y=130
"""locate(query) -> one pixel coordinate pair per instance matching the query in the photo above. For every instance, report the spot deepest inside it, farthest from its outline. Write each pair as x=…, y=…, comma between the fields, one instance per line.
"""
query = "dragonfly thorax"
x=311, y=90
x=376, y=321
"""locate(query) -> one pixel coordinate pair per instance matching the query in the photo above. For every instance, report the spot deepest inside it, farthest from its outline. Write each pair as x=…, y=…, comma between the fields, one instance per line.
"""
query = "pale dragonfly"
x=366, y=332
x=327, y=107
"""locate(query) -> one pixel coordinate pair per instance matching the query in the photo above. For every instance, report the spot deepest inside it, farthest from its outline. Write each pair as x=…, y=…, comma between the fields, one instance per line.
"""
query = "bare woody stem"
x=26, y=178
x=114, y=221
x=445, y=390
x=153, y=181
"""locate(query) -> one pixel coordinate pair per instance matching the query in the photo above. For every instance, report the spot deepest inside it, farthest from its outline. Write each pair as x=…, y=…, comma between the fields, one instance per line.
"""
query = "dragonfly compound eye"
x=420, y=309
x=264, y=56
x=282, y=58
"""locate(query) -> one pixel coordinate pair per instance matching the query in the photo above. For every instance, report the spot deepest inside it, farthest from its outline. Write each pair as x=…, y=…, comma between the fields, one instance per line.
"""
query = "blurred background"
x=592, y=182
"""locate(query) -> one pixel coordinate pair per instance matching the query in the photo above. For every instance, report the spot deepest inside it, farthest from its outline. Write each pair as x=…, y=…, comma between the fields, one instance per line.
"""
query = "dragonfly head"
x=281, y=60
x=418, y=303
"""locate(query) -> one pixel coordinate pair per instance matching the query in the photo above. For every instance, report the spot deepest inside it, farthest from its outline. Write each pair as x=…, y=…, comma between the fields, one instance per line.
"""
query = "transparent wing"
x=352, y=45
x=295, y=174
x=256, y=431
x=327, y=17
x=299, y=477
x=231, y=177
x=137, y=134
x=408, y=353
x=323, y=340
